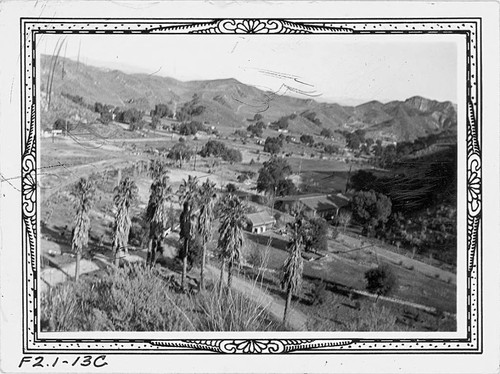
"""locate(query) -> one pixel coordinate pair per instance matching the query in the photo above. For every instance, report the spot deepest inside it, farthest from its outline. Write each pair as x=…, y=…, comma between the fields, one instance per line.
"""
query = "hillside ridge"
x=230, y=103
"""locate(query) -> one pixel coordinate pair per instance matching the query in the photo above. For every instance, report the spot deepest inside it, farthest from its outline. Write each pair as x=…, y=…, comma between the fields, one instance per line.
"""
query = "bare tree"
x=344, y=218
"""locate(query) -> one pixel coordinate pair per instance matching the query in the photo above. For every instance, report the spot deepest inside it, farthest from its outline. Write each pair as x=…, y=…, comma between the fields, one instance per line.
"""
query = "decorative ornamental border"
x=469, y=28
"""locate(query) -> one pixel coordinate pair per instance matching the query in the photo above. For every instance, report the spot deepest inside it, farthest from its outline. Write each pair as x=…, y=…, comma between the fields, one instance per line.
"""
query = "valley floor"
x=425, y=298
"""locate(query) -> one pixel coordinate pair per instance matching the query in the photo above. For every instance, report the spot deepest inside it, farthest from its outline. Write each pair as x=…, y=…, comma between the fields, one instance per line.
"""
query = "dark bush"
x=232, y=155
x=318, y=293
x=231, y=187
x=273, y=145
x=380, y=280
x=190, y=128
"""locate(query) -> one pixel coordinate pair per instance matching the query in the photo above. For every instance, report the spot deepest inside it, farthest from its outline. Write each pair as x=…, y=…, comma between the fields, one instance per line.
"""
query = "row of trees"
x=217, y=148
x=256, y=129
x=190, y=109
x=200, y=206
x=282, y=122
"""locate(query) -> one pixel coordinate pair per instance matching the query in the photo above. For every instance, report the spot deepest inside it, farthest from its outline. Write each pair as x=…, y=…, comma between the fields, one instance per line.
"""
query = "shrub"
x=307, y=139
x=255, y=130
x=62, y=124
x=194, y=254
x=138, y=232
x=162, y=110
x=135, y=298
x=190, y=128
x=256, y=257
x=242, y=177
x=129, y=299
x=380, y=280
x=373, y=318
x=231, y=187
x=273, y=145
x=371, y=209
x=330, y=149
x=281, y=123
x=319, y=293
x=130, y=116
x=232, y=155
x=327, y=133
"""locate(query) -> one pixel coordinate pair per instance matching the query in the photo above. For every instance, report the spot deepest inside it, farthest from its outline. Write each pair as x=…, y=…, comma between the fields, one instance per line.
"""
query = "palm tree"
x=157, y=215
x=83, y=191
x=126, y=194
x=293, y=266
x=157, y=168
x=205, y=220
x=232, y=221
x=188, y=197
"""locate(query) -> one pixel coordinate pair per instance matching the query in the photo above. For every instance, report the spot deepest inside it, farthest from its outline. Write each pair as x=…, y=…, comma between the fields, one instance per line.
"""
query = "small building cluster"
x=314, y=205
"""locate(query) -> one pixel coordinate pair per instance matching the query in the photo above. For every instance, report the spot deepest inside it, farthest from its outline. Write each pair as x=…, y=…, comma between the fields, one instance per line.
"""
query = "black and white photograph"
x=248, y=185
x=188, y=190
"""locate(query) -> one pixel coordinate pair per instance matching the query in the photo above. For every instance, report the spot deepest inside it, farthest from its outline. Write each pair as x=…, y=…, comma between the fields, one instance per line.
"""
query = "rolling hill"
x=229, y=103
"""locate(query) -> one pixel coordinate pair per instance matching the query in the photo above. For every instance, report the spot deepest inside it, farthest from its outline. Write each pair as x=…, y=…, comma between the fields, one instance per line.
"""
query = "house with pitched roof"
x=314, y=205
x=260, y=222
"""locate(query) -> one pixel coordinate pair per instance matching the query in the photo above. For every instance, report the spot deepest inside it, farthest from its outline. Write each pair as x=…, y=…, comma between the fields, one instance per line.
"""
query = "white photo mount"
x=470, y=140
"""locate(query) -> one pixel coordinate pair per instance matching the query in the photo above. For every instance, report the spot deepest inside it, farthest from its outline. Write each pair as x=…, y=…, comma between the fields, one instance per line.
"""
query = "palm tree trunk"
x=77, y=265
x=116, y=259
x=184, y=265
x=202, y=271
x=229, y=274
x=287, y=304
x=149, y=260
x=221, y=278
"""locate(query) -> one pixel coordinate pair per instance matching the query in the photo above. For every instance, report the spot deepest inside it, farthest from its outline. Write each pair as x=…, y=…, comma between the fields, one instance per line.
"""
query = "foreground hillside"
x=229, y=103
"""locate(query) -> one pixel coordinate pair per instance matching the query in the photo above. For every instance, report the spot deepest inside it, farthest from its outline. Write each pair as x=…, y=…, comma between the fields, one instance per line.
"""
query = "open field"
x=413, y=286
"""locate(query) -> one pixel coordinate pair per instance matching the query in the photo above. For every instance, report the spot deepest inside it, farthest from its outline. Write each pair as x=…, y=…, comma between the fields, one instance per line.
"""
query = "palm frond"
x=84, y=192
x=294, y=264
x=232, y=222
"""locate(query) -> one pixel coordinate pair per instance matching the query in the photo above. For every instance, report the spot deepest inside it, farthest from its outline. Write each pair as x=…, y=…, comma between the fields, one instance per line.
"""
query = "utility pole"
x=348, y=179
x=195, y=153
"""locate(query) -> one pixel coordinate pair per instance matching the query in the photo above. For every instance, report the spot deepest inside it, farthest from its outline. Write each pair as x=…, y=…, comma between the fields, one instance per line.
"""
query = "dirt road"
x=296, y=319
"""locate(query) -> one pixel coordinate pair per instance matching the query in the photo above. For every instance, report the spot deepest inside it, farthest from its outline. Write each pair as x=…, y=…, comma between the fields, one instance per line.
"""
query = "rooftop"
x=261, y=218
x=319, y=202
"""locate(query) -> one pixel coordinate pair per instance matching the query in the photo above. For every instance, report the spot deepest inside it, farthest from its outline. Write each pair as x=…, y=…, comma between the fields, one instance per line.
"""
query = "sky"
x=346, y=69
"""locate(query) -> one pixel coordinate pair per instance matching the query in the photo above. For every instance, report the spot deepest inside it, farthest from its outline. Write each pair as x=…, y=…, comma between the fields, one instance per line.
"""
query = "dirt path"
x=296, y=319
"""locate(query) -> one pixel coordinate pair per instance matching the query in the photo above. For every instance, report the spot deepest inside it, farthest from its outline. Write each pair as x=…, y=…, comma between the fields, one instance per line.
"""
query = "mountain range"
x=229, y=103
